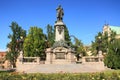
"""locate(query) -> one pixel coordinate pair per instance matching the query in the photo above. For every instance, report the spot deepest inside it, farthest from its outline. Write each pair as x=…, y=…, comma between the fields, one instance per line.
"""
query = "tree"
x=16, y=44
x=79, y=48
x=102, y=42
x=67, y=36
x=112, y=58
x=111, y=46
x=34, y=44
x=50, y=36
x=96, y=44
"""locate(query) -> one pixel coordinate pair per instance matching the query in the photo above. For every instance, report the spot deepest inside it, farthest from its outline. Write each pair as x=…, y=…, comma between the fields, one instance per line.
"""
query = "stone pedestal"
x=49, y=55
x=59, y=31
x=71, y=56
x=59, y=55
x=20, y=57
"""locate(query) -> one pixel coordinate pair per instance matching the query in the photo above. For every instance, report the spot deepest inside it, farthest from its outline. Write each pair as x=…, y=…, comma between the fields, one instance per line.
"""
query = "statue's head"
x=59, y=6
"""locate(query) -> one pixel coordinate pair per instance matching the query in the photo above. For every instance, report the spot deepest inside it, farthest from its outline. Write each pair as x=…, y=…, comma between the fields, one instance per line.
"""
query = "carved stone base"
x=59, y=55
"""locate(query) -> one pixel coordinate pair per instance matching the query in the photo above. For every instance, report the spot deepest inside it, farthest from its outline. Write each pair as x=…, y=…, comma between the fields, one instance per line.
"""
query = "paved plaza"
x=65, y=68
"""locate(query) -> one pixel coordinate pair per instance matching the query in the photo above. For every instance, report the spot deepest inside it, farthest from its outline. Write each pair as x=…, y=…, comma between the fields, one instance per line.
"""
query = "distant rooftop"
x=2, y=54
x=115, y=28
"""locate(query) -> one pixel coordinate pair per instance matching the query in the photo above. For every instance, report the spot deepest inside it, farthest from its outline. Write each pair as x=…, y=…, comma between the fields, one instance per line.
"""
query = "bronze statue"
x=60, y=13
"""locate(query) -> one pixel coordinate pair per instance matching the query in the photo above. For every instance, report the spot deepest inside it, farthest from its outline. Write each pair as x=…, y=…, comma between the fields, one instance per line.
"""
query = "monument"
x=60, y=53
x=60, y=57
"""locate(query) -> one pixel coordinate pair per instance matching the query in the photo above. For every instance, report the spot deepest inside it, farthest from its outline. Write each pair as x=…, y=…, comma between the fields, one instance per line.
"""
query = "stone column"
x=100, y=56
x=48, y=56
x=38, y=60
x=83, y=60
x=20, y=58
x=59, y=31
x=71, y=56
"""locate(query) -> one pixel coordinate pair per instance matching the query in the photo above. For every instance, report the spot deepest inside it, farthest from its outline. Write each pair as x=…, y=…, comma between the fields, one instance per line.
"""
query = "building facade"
x=4, y=64
x=108, y=28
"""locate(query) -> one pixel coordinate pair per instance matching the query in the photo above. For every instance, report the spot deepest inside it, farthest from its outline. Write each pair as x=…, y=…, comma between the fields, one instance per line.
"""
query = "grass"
x=106, y=75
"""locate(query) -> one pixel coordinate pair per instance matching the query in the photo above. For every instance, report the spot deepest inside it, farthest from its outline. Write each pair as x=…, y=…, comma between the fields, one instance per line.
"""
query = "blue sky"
x=84, y=18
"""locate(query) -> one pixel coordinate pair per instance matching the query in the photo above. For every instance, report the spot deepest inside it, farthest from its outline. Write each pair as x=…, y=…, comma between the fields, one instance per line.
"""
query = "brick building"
x=3, y=62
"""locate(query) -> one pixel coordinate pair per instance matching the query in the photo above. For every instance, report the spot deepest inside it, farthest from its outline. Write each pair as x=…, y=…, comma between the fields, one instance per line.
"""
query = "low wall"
x=30, y=60
x=34, y=65
x=92, y=59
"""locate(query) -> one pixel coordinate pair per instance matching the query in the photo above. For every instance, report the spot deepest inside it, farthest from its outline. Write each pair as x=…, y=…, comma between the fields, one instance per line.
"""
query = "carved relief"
x=60, y=29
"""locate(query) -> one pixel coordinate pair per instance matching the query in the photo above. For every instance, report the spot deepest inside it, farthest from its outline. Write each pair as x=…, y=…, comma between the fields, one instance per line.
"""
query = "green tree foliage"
x=96, y=44
x=67, y=36
x=112, y=58
x=79, y=48
x=109, y=45
x=50, y=36
x=16, y=44
x=102, y=42
x=34, y=44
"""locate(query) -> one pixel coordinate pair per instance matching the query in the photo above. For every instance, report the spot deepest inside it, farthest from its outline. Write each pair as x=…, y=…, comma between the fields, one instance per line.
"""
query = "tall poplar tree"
x=67, y=36
x=16, y=42
x=50, y=36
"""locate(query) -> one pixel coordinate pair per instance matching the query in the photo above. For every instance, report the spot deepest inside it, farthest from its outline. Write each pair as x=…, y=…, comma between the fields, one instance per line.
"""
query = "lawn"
x=106, y=75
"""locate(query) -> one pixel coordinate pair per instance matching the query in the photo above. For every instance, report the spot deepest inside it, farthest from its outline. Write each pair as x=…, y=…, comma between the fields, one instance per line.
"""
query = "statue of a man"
x=60, y=13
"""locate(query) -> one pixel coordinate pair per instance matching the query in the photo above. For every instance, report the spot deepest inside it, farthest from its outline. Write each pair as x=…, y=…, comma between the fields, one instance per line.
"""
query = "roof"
x=115, y=28
x=2, y=53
